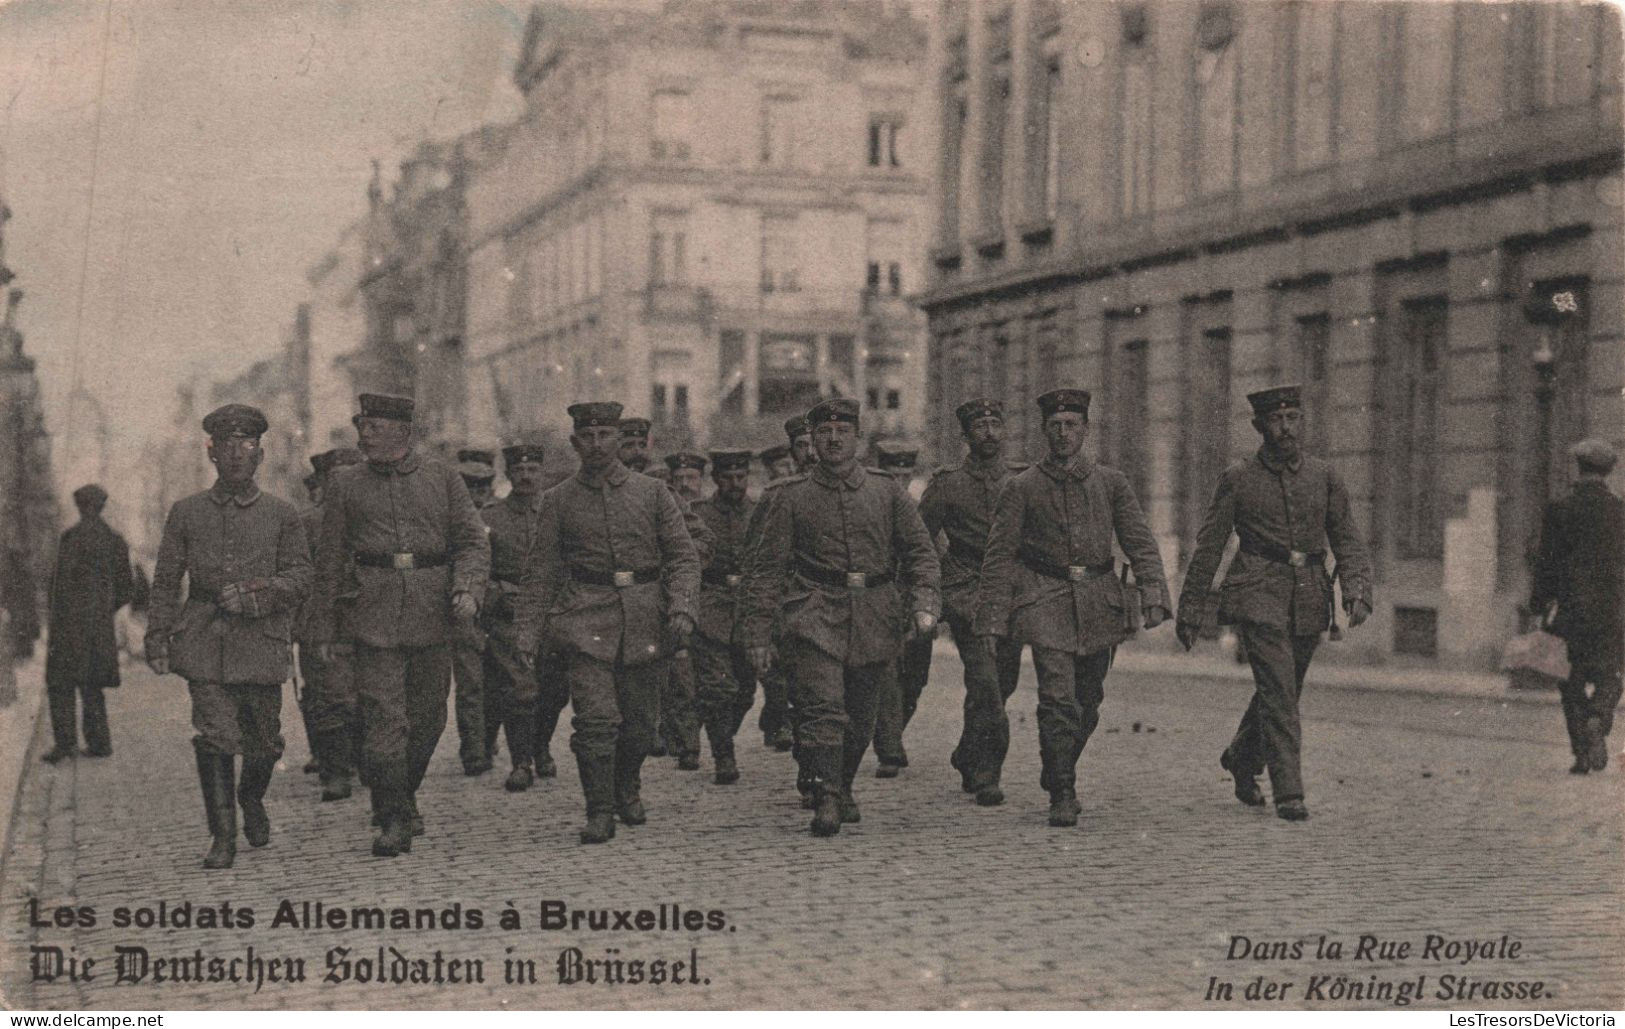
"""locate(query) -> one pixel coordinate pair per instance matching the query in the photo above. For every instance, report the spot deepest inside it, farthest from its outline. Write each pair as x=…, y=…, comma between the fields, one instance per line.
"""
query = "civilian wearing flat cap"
x=1581, y=569
x=402, y=549
x=1287, y=508
x=725, y=681
x=470, y=686
x=244, y=556
x=837, y=547
x=328, y=699
x=958, y=506
x=609, y=585
x=895, y=708
x=90, y=583
x=1048, y=580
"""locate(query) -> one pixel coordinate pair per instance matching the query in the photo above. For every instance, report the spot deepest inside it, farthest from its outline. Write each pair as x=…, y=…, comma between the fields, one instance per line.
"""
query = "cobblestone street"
x=1432, y=815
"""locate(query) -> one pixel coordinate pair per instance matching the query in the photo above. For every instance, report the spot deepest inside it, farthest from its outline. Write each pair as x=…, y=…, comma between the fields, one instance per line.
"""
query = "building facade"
x=713, y=213
x=1412, y=209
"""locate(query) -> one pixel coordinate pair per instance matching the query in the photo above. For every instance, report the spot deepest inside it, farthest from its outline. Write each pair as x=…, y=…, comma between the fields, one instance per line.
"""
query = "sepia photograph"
x=802, y=505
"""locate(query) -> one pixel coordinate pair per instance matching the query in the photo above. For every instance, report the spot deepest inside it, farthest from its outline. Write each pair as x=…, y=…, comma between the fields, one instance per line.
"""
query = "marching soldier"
x=475, y=734
x=1048, y=580
x=247, y=566
x=775, y=719
x=834, y=543
x=959, y=504
x=1286, y=507
x=776, y=462
x=896, y=708
x=512, y=683
x=403, y=546
x=91, y=582
x=679, y=717
x=802, y=452
x=328, y=701
x=726, y=681
x=609, y=585
x=1581, y=568
x=635, y=452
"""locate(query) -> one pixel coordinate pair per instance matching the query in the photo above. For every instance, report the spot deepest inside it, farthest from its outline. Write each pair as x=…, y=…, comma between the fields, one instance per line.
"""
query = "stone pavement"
x=1432, y=815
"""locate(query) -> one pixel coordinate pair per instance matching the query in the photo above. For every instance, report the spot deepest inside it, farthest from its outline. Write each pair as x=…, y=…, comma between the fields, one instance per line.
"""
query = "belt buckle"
x=1076, y=573
x=1298, y=559
x=624, y=579
x=733, y=580
x=401, y=562
x=856, y=580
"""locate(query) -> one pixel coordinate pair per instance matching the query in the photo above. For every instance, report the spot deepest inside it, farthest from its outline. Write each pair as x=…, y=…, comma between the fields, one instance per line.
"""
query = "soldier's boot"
x=1064, y=807
x=521, y=746
x=1292, y=809
x=336, y=770
x=414, y=821
x=1596, y=744
x=629, y=793
x=826, y=811
x=598, y=785
x=849, y=808
x=256, y=779
x=214, y=773
x=1246, y=785
x=960, y=765
x=989, y=796
x=1582, y=765
x=782, y=739
x=545, y=766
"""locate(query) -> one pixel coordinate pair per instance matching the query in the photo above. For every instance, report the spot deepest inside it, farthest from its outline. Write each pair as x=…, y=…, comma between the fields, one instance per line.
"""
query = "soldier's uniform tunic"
x=829, y=560
x=726, y=684
x=1277, y=593
x=331, y=708
x=1048, y=580
x=679, y=727
x=398, y=539
x=511, y=681
x=959, y=504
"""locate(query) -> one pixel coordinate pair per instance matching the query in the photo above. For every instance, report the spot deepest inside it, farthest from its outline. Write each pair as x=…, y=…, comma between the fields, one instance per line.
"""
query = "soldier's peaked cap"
x=635, y=427
x=1276, y=398
x=1064, y=399
x=729, y=460
x=383, y=405
x=90, y=493
x=476, y=471
x=235, y=420
x=477, y=454
x=777, y=452
x=894, y=455
x=518, y=453
x=981, y=407
x=595, y=413
x=796, y=425
x=835, y=409
x=1594, y=455
x=685, y=459
x=322, y=463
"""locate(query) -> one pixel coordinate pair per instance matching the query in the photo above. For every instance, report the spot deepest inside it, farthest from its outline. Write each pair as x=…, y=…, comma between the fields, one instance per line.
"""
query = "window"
x=893, y=273
x=779, y=272
x=886, y=241
x=953, y=156
x=1050, y=119
x=883, y=146
x=779, y=115
x=1314, y=367
x=993, y=155
x=894, y=278
x=1419, y=521
x=657, y=402
x=1134, y=174
x=871, y=280
x=673, y=126
x=679, y=405
x=874, y=397
x=668, y=249
x=894, y=400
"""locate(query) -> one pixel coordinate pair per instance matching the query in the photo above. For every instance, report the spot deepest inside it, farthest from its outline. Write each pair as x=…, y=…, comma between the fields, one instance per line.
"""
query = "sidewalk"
x=18, y=721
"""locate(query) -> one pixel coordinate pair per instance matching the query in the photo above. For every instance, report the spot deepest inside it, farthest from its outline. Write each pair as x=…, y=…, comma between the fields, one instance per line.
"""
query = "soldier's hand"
x=1358, y=611
x=1187, y=633
x=761, y=659
x=231, y=599
x=925, y=623
x=1155, y=615
x=324, y=653
x=158, y=661
x=681, y=625
x=463, y=606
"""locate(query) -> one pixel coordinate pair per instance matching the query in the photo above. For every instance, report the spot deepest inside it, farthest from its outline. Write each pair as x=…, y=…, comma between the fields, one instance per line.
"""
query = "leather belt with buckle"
x=620, y=579
x=1068, y=573
x=712, y=577
x=1281, y=555
x=844, y=579
x=401, y=561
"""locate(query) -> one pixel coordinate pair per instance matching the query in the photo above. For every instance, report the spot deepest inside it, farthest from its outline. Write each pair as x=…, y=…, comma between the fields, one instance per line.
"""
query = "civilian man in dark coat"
x=1581, y=569
x=91, y=582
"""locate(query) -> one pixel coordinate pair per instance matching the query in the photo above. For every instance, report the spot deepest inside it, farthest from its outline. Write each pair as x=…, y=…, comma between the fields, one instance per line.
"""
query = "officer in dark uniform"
x=328, y=700
x=610, y=586
x=959, y=504
x=475, y=736
x=404, y=548
x=247, y=566
x=1581, y=569
x=895, y=709
x=1048, y=580
x=679, y=716
x=834, y=544
x=725, y=680
x=91, y=582
x=775, y=719
x=1287, y=508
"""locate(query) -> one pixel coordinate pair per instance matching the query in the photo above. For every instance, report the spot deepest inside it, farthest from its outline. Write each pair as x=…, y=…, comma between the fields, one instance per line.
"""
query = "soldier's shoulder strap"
x=1018, y=466
x=788, y=480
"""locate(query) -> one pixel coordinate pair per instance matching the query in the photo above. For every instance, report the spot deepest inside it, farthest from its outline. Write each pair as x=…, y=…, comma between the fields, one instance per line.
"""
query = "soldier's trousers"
x=1070, y=689
x=238, y=719
x=85, y=698
x=510, y=702
x=836, y=702
x=679, y=722
x=614, y=721
x=725, y=689
x=403, y=709
x=469, y=670
x=990, y=681
x=552, y=697
x=329, y=701
x=1578, y=707
x=775, y=703
x=895, y=708
x=1270, y=733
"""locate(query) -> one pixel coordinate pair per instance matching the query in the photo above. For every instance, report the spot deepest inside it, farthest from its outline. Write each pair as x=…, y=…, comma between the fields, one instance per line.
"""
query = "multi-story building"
x=329, y=328
x=1412, y=208
x=712, y=212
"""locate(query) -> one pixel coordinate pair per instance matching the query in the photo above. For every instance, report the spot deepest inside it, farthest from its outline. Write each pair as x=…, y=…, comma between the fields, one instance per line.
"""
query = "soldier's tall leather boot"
x=722, y=753
x=825, y=764
x=251, y=789
x=214, y=773
x=521, y=746
x=336, y=770
x=598, y=785
x=395, y=834
x=629, y=788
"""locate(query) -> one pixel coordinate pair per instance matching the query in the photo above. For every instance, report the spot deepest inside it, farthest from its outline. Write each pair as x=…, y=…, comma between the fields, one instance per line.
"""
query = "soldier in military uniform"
x=328, y=700
x=896, y=707
x=726, y=681
x=1287, y=508
x=1581, y=569
x=799, y=432
x=404, y=548
x=475, y=734
x=610, y=586
x=776, y=717
x=959, y=504
x=776, y=462
x=834, y=544
x=247, y=566
x=635, y=445
x=679, y=716
x=1048, y=580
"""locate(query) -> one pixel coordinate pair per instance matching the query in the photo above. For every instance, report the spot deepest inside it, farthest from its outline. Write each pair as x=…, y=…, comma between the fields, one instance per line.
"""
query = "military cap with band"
x=731, y=460
x=1594, y=455
x=795, y=426
x=779, y=452
x=384, y=405
x=895, y=458
x=636, y=428
x=1065, y=399
x=90, y=494
x=835, y=409
x=595, y=413
x=322, y=463
x=519, y=453
x=981, y=407
x=477, y=454
x=235, y=420
x=1276, y=398
x=476, y=471
x=685, y=459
